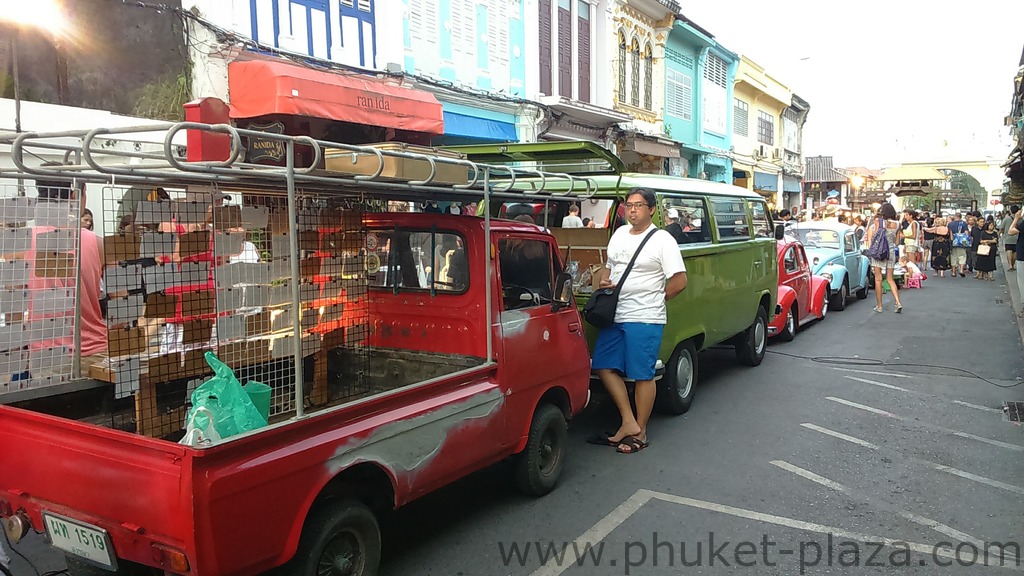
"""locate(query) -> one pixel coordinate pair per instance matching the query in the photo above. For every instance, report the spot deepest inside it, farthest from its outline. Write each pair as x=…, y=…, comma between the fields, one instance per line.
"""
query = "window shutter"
x=584, y=55
x=622, y=66
x=648, y=77
x=545, y=46
x=564, y=52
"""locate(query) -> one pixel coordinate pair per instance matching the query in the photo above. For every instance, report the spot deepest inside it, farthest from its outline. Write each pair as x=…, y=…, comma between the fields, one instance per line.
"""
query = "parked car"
x=803, y=296
x=835, y=253
x=725, y=234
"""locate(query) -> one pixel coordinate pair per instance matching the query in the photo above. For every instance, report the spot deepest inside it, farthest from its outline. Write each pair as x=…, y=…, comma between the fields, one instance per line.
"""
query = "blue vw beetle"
x=834, y=252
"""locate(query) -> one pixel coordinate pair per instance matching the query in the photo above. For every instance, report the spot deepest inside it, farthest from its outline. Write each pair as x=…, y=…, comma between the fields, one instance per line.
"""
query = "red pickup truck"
x=454, y=390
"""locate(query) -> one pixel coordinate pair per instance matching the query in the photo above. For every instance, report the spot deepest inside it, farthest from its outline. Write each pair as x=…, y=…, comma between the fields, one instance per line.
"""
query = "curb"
x=1014, y=290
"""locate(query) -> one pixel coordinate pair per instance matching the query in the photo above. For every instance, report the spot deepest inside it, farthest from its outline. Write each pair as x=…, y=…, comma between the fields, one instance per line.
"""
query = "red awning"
x=259, y=87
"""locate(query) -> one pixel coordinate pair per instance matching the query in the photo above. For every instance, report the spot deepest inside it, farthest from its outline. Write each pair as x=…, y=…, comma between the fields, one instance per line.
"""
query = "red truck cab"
x=477, y=354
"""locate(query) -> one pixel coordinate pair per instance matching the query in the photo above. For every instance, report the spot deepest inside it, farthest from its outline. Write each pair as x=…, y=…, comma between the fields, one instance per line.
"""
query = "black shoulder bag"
x=600, y=309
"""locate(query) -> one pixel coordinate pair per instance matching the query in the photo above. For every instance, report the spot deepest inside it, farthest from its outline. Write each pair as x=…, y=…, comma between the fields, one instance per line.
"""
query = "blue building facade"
x=699, y=76
x=475, y=46
x=343, y=31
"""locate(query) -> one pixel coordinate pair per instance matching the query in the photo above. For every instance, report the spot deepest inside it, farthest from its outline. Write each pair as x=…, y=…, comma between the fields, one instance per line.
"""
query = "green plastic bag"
x=222, y=395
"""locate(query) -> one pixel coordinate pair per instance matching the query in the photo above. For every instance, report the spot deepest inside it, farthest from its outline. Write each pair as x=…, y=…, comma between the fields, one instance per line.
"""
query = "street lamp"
x=41, y=14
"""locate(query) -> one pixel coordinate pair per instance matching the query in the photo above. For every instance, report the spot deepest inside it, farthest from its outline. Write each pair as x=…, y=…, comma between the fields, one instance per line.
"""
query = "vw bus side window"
x=686, y=219
x=417, y=260
x=762, y=222
x=731, y=219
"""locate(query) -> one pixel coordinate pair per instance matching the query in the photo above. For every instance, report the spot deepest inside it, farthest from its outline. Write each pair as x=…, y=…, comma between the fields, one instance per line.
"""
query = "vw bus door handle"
x=758, y=262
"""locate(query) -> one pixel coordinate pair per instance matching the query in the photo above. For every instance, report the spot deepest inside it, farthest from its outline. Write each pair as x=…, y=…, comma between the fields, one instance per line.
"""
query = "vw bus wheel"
x=342, y=538
x=751, y=346
x=539, y=465
x=676, y=389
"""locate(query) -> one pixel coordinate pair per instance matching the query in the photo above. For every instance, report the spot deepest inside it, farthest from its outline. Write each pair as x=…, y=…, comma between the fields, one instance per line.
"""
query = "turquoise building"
x=699, y=75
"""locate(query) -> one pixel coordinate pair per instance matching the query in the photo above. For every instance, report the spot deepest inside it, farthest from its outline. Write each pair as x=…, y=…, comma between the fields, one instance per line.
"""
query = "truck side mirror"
x=563, y=292
x=780, y=231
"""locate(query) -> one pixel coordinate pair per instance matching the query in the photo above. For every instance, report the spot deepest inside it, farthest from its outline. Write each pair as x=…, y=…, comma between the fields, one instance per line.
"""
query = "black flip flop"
x=601, y=439
x=631, y=445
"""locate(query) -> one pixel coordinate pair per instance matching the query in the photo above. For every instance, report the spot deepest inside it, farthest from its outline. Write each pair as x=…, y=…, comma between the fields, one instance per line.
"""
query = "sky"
x=888, y=81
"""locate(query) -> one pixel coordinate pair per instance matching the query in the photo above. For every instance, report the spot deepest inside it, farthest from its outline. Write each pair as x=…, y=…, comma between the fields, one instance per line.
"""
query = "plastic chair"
x=913, y=281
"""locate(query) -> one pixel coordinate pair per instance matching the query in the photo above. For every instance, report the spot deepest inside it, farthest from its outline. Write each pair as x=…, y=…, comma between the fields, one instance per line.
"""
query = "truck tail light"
x=169, y=558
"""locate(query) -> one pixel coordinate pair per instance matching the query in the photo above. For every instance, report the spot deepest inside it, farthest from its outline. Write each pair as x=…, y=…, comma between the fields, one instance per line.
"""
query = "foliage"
x=164, y=99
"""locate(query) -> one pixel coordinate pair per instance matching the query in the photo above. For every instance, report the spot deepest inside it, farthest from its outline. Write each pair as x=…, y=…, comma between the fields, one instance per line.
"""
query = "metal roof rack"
x=86, y=159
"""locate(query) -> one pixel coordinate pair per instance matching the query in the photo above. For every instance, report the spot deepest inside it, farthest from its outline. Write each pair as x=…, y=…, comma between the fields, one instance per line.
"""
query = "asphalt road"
x=885, y=438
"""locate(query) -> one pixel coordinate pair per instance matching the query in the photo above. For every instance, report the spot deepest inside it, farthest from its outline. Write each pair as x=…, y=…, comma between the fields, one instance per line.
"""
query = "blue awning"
x=465, y=126
x=763, y=181
x=790, y=184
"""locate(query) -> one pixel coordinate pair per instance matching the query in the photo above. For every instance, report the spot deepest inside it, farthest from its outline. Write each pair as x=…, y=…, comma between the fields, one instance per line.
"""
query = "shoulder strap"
x=622, y=279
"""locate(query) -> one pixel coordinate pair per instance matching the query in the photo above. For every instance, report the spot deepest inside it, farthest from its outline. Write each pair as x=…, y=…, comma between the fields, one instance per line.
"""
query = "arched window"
x=634, y=55
x=648, y=76
x=622, y=66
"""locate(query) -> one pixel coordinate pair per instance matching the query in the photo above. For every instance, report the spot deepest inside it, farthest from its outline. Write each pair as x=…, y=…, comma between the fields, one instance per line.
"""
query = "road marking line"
x=840, y=435
x=599, y=531
x=863, y=407
x=980, y=479
x=921, y=520
x=940, y=467
x=1006, y=445
x=977, y=406
x=866, y=381
x=926, y=549
x=875, y=373
x=998, y=443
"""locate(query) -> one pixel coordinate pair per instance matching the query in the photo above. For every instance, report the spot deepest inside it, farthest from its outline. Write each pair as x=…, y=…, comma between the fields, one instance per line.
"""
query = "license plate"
x=80, y=539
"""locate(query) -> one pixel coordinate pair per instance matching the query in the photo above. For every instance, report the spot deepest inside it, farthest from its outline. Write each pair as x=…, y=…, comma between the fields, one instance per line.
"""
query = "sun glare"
x=42, y=14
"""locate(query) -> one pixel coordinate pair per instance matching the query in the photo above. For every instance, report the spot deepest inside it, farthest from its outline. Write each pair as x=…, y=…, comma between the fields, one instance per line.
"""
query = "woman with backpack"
x=882, y=238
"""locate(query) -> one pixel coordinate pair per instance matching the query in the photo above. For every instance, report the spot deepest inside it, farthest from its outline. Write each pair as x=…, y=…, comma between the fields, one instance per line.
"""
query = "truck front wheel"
x=539, y=465
x=340, y=537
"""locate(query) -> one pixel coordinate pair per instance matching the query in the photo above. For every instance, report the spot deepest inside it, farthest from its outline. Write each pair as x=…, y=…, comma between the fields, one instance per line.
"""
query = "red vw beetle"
x=803, y=296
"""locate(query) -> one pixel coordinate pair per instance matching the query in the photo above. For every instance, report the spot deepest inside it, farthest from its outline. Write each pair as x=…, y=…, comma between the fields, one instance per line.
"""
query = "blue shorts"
x=631, y=348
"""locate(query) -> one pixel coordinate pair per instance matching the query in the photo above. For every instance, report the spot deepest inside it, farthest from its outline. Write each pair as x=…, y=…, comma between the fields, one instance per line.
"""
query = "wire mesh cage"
x=196, y=270
x=39, y=247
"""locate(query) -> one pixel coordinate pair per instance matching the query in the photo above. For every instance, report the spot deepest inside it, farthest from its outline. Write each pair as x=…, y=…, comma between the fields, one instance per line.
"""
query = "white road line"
x=921, y=520
x=874, y=373
x=977, y=406
x=872, y=382
x=806, y=526
x=862, y=407
x=940, y=467
x=990, y=442
x=599, y=531
x=1006, y=445
x=980, y=479
x=840, y=435
x=810, y=476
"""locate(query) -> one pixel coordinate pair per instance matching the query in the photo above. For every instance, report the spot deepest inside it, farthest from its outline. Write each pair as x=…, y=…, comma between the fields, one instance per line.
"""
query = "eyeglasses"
x=636, y=205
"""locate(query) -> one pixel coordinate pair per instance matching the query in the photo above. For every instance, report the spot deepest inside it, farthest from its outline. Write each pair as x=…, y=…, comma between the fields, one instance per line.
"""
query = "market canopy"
x=911, y=173
x=261, y=87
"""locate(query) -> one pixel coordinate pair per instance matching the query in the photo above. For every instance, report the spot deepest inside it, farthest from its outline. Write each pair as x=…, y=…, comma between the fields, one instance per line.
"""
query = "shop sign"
x=262, y=149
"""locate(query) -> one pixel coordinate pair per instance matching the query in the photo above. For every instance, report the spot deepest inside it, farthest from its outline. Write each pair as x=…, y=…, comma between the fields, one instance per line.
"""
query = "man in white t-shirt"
x=629, y=347
x=573, y=220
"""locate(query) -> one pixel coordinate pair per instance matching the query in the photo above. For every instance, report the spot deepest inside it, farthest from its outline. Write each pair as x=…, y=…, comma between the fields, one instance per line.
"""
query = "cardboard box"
x=55, y=265
x=344, y=162
x=309, y=267
x=309, y=240
x=194, y=243
x=599, y=273
x=161, y=305
x=227, y=217
x=198, y=303
x=120, y=247
x=197, y=331
x=195, y=363
x=125, y=342
x=165, y=367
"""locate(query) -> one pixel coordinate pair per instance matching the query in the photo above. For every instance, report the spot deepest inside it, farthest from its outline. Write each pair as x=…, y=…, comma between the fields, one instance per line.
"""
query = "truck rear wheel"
x=751, y=344
x=340, y=538
x=539, y=465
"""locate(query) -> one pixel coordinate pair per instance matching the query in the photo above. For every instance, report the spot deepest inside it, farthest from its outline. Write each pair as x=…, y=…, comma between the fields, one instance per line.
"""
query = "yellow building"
x=761, y=144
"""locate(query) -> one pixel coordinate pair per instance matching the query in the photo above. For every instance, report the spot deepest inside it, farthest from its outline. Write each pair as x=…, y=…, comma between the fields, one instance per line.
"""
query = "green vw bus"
x=725, y=234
